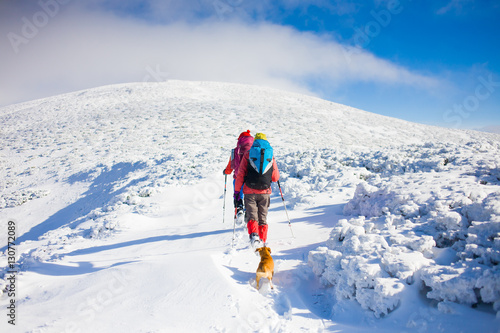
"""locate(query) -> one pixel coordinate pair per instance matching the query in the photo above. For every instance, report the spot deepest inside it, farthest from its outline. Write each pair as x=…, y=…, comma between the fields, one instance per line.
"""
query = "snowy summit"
x=111, y=216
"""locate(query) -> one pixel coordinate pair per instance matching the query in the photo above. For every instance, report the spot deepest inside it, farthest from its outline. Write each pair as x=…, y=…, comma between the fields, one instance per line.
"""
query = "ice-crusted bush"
x=451, y=283
x=476, y=277
x=463, y=283
x=305, y=174
x=483, y=242
x=483, y=209
x=295, y=191
x=424, y=198
x=372, y=201
x=359, y=263
x=21, y=197
x=410, y=159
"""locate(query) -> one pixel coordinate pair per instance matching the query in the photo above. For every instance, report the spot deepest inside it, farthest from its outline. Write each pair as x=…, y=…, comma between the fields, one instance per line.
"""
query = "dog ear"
x=269, y=249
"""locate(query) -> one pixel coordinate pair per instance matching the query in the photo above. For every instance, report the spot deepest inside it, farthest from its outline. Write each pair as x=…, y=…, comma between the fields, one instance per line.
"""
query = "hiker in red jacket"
x=256, y=171
x=245, y=141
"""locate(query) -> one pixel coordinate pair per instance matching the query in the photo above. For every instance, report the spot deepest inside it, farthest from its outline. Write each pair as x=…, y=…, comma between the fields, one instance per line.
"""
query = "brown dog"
x=266, y=266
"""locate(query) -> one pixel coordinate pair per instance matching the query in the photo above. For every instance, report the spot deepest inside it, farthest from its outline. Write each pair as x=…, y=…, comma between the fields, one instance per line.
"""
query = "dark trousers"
x=256, y=206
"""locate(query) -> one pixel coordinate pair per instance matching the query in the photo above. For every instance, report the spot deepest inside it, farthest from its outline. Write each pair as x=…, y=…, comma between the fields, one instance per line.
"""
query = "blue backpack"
x=260, y=165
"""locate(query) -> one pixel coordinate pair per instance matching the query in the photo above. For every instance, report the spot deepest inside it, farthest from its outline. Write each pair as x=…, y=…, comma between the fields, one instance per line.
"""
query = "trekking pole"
x=224, y=205
x=234, y=231
x=282, y=198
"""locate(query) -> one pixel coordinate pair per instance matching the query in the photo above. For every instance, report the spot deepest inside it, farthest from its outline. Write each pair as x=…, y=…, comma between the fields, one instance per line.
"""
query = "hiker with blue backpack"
x=245, y=141
x=256, y=171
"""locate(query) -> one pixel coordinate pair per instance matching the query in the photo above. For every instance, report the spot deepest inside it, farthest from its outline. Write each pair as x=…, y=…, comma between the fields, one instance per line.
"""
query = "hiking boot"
x=255, y=241
x=239, y=218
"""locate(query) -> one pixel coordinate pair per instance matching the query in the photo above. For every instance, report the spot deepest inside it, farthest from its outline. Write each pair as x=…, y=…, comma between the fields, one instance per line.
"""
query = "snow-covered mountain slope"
x=116, y=195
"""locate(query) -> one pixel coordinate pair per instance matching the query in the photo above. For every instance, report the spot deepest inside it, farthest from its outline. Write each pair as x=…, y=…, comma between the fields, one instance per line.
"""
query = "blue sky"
x=432, y=62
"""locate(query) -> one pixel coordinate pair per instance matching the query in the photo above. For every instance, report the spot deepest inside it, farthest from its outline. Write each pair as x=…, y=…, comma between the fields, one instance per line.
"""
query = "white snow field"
x=115, y=195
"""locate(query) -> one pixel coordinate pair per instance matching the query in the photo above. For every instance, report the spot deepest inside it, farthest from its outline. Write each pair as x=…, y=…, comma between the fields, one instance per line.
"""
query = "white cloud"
x=168, y=11
x=79, y=49
x=453, y=5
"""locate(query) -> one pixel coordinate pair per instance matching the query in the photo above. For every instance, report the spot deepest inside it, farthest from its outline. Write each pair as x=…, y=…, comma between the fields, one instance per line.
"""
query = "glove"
x=236, y=198
x=224, y=172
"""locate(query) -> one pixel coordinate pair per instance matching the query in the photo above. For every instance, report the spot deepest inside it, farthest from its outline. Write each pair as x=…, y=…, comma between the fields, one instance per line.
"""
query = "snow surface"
x=117, y=196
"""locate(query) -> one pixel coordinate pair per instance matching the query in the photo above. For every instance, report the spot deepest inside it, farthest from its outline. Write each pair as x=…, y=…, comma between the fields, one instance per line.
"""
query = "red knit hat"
x=247, y=133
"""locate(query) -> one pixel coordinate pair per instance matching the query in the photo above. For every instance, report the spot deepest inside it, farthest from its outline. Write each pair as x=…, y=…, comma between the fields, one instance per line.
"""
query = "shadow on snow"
x=84, y=267
x=101, y=248
x=100, y=192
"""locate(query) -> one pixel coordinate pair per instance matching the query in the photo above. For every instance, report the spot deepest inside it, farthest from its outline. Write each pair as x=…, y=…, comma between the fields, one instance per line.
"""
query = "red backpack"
x=245, y=141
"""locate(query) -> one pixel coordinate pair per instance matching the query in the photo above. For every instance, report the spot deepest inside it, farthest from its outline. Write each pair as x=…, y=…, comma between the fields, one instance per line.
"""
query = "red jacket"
x=228, y=169
x=242, y=172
